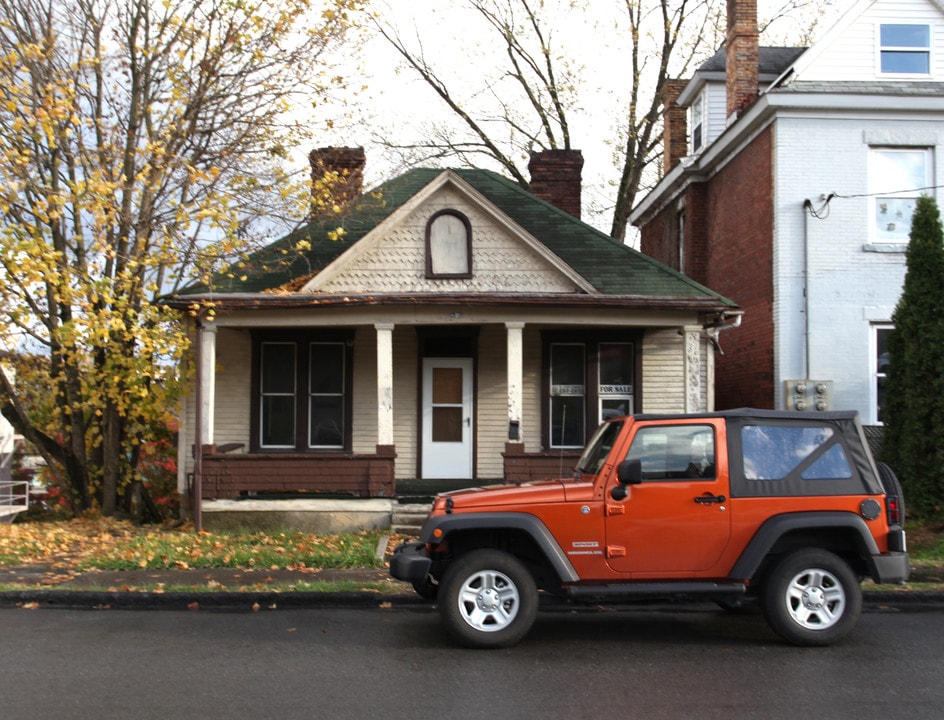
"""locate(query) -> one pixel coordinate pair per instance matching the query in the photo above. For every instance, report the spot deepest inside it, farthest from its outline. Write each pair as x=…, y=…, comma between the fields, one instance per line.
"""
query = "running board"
x=632, y=591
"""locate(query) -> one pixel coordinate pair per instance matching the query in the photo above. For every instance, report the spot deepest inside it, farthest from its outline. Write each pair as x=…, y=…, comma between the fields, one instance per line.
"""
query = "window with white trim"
x=448, y=245
x=880, y=363
x=897, y=178
x=905, y=49
x=698, y=124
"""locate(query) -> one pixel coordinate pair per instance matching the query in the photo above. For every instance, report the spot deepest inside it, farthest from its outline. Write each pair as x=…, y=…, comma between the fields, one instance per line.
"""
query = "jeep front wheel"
x=487, y=599
x=812, y=597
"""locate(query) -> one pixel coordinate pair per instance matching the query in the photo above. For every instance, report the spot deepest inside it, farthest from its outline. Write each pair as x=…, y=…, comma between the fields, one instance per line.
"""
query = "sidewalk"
x=204, y=588
x=250, y=589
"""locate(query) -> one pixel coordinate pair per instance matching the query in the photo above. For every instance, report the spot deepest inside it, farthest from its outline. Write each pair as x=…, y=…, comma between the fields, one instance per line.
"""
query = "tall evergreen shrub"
x=913, y=412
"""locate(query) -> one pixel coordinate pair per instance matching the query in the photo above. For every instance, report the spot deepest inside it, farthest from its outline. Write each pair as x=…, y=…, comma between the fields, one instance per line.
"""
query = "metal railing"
x=14, y=497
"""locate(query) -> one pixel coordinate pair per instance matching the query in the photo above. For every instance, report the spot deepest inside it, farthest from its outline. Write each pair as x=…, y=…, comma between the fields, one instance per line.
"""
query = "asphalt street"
x=395, y=662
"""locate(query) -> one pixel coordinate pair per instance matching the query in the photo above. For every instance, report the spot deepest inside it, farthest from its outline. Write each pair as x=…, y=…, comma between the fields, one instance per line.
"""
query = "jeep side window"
x=678, y=452
x=772, y=452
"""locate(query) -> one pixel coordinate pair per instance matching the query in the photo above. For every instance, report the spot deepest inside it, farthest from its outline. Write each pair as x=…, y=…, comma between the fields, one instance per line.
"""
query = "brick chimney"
x=742, y=55
x=347, y=162
x=555, y=178
x=674, y=125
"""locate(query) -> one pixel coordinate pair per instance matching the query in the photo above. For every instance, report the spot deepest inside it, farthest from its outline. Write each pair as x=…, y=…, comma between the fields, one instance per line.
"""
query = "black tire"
x=812, y=598
x=892, y=487
x=487, y=599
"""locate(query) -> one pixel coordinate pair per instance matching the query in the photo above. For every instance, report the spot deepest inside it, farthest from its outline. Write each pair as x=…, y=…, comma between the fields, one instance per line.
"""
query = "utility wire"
x=822, y=212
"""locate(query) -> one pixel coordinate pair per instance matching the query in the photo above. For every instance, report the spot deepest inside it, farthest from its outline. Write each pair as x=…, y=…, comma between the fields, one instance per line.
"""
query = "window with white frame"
x=897, y=178
x=905, y=49
x=698, y=124
x=880, y=363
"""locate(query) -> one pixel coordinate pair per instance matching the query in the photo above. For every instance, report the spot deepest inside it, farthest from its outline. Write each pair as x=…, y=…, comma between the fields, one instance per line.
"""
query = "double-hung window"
x=897, y=177
x=881, y=362
x=905, y=49
x=302, y=394
x=699, y=113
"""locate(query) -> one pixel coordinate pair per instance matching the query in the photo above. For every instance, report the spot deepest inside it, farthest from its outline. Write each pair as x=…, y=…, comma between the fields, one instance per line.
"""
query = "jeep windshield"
x=599, y=447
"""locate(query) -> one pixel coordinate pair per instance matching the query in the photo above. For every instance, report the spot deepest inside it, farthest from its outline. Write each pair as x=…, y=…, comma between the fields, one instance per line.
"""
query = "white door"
x=447, y=418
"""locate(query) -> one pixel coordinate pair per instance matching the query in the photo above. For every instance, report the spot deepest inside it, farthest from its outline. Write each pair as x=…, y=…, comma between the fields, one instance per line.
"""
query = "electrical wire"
x=822, y=212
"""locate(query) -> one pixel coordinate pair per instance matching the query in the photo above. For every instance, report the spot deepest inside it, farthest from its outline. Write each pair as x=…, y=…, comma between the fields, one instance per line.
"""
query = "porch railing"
x=229, y=475
x=14, y=498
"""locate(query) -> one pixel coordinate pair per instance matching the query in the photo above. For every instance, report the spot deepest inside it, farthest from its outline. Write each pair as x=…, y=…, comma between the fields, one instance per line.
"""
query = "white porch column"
x=206, y=374
x=384, y=383
x=515, y=375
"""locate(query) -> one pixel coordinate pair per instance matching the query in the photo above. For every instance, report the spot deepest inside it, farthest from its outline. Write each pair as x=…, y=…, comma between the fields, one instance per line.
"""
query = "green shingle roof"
x=611, y=267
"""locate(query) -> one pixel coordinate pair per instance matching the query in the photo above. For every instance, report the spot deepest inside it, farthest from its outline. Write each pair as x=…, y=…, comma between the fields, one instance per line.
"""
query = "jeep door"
x=677, y=520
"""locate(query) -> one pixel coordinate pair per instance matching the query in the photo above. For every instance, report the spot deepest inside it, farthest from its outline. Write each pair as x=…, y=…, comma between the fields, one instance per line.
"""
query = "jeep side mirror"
x=629, y=472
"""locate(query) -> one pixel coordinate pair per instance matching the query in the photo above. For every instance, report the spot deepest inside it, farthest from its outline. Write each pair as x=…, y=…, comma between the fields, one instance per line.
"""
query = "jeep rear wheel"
x=812, y=597
x=487, y=599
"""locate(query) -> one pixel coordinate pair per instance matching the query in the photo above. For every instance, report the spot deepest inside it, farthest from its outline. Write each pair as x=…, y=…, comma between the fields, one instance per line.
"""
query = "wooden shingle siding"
x=398, y=265
x=364, y=433
x=233, y=370
x=492, y=410
x=406, y=432
x=531, y=394
x=663, y=369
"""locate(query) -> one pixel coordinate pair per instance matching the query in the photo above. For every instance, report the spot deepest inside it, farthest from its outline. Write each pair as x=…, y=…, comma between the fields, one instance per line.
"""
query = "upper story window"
x=897, y=177
x=698, y=123
x=448, y=245
x=905, y=49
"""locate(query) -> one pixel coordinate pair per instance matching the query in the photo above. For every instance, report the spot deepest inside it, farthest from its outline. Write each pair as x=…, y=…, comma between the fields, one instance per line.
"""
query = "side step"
x=642, y=590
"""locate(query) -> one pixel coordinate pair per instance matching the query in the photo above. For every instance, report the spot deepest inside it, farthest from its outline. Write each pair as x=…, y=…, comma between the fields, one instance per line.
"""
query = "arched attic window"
x=448, y=245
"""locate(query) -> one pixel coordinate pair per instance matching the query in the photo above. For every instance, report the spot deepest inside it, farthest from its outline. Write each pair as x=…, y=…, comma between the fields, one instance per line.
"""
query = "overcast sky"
x=394, y=103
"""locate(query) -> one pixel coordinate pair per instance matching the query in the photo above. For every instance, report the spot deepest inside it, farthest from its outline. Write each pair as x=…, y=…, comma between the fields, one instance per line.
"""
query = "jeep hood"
x=491, y=496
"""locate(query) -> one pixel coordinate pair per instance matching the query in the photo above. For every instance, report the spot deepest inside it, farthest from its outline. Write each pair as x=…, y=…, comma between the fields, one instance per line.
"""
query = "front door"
x=447, y=418
x=678, y=520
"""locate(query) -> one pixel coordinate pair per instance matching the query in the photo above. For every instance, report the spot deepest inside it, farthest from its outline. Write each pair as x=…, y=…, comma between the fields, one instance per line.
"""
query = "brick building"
x=794, y=193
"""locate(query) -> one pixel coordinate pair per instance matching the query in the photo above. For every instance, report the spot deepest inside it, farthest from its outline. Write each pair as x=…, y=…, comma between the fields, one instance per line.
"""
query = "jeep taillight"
x=893, y=509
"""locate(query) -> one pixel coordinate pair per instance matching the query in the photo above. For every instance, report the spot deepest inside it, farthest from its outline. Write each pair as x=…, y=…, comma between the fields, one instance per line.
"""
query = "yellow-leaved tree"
x=139, y=142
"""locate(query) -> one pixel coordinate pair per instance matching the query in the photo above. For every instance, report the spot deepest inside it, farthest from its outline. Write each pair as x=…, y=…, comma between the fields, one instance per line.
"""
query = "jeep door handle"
x=708, y=499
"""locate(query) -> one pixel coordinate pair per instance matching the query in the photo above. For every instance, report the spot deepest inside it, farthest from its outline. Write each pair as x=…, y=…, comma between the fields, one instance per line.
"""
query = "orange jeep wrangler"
x=785, y=508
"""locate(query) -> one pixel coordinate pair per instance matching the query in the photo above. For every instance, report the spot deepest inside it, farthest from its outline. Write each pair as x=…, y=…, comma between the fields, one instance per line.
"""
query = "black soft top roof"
x=848, y=433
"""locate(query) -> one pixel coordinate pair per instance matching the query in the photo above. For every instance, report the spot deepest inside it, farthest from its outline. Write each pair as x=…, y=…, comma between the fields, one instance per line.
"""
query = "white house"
x=794, y=195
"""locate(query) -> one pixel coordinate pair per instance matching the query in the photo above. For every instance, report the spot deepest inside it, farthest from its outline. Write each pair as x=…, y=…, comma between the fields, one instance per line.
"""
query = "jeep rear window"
x=773, y=452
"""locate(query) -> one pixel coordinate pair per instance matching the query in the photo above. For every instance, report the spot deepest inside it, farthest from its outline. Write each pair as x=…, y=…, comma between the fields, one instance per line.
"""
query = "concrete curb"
x=251, y=601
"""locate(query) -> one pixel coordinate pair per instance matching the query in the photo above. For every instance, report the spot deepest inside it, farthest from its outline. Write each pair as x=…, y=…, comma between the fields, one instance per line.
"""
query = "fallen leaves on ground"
x=108, y=544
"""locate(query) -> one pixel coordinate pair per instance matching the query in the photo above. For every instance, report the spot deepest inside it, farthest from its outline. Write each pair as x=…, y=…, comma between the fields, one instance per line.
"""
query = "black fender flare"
x=529, y=524
x=774, y=528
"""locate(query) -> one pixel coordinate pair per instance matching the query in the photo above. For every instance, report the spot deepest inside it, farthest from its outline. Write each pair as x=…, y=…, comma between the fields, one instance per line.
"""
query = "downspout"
x=728, y=320
x=807, y=208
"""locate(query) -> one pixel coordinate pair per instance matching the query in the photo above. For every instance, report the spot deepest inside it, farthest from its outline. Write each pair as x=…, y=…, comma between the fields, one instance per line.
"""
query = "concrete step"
x=407, y=518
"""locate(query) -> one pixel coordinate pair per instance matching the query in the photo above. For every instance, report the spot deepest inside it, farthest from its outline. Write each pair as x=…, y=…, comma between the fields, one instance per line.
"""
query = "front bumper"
x=410, y=562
